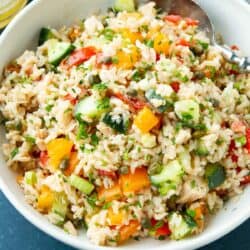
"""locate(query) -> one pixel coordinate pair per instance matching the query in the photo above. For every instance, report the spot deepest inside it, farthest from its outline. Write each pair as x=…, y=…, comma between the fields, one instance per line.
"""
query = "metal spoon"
x=189, y=8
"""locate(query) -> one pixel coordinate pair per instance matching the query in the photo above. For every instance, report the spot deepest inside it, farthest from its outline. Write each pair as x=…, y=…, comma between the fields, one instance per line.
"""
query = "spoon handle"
x=243, y=62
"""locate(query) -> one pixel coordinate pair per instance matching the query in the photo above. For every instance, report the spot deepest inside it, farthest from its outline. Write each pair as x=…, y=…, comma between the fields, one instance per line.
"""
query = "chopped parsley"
x=103, y=104
x=94, y=139
x=14, y=152
x=49, y=107
x=30, y=139
x=82, y=131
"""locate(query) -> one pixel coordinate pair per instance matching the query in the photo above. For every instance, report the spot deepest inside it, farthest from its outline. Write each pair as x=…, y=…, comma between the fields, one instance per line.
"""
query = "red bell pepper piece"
x=70, y=98
x=162, y=230
x=234, y=47
x=247, y=146
x=231, y=150
x=175, y=86
x=246, y=180
x=173, y=18
x=79, y=56
x=44, y=157
x=191, y=22
x=110, y=174
x=134, y=103
x=183, y=42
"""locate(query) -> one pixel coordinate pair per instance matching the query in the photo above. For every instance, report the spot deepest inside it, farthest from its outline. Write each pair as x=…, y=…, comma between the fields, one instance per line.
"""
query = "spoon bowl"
x=191, y=9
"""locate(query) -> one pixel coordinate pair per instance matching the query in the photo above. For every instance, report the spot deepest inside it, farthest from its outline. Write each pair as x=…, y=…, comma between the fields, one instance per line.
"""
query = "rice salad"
x=129, y=125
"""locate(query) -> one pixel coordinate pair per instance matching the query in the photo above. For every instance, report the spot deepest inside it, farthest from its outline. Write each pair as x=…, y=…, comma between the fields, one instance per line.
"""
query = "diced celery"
x=60, y=205
x=30, y=178
x=81, y=184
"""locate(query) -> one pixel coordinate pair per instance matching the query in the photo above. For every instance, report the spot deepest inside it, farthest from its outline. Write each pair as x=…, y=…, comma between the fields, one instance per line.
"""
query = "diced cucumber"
x=57, y=51
x=215, y=174
x=124, y=5
x=30, y=178
x=45, y=34
x=201, y=148
x=60, y=206
x=171, y=172
x=152, y=97
x=178, y=226
x=166, y=187
x=187, y=110
x=118, y=122
x=185, y=159
x=148, y=140
x=81, y=184
x=240, y=141
x=92, y=107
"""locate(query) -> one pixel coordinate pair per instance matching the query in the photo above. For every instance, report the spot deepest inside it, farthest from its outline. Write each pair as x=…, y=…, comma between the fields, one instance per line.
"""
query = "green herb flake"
x=240, y=141
x=108, y=34
x=100, y=87
x=190, y=221
x=115, y=60
x=14, y=152
x=193, y=184
x=92, y=200
x=191, y=213
x=30, y=139
x=107, y=205
x=103, y=104
x=82, y=131
x=94, y=139
x=204, y=45
x=149, y=43
x=49, y=107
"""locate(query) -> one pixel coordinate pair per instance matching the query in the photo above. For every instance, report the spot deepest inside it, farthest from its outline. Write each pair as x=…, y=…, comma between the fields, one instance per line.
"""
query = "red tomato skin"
x=79, y=56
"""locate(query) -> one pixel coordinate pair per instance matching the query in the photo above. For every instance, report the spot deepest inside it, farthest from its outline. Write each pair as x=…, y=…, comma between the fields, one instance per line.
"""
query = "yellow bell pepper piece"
x=127, y=59
x=132, y=36
x=161, y=44
x=58, y=149
x=132, y=183
x=129, y=230
x=45, y=199
x=115, y=219
x=146, y=120
x=109, y=194
x=152, y=33
x=73, y=161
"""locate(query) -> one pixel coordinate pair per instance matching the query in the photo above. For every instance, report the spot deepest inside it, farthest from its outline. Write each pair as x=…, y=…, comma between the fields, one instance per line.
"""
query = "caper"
x=64, y=164
x=199, y=75
x=94, y=79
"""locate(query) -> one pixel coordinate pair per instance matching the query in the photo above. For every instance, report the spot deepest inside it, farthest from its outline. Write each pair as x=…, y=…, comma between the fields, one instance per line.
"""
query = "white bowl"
x=231, y=18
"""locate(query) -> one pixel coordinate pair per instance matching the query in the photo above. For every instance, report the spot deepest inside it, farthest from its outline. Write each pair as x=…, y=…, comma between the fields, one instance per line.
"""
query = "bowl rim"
x=73, y=241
